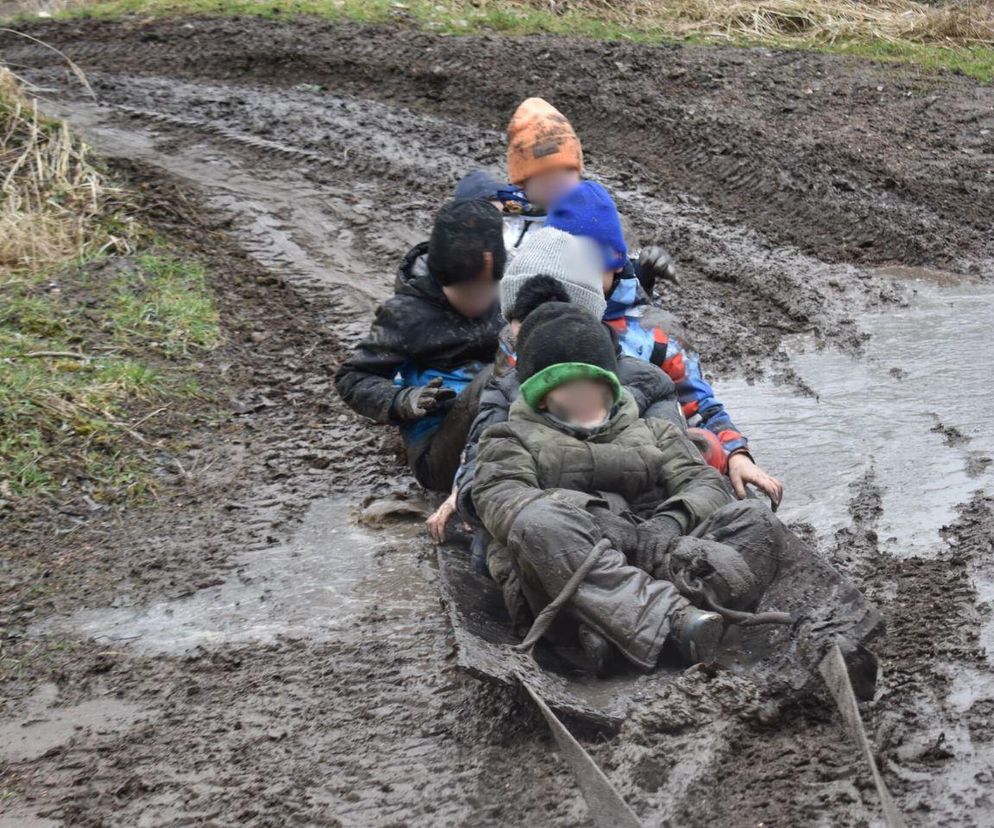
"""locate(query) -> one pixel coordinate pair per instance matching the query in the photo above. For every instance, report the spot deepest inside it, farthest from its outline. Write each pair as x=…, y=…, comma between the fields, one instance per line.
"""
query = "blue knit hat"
x=588, y=210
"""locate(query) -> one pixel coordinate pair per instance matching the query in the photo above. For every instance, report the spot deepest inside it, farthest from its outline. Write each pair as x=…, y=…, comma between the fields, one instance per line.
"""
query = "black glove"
x=656, y=264
x=655, y=538
x=622, y=534
x=421, y=400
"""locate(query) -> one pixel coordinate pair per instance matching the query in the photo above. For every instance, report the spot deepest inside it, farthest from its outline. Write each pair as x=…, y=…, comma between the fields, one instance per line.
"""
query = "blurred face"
x=608, y=281
x=473, y=298
x=583, y=402
x=544, y=189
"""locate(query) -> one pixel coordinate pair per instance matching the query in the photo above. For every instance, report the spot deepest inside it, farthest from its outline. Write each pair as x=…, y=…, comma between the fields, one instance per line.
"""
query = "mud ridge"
x=897, y=164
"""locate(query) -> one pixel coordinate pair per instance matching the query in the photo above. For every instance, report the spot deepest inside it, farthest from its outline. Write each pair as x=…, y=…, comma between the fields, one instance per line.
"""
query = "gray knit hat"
x=575, y=262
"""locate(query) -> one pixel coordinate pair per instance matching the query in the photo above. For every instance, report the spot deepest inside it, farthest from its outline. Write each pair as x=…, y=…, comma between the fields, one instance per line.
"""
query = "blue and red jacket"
x=625, y=308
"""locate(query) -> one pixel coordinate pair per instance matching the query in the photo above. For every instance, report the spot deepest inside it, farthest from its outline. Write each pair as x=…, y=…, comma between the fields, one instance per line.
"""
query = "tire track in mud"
x=846, y=160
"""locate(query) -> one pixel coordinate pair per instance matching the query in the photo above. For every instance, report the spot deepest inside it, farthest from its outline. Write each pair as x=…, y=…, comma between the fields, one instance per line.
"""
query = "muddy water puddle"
x=44, y=725
x=317, y=585
x=914, y=409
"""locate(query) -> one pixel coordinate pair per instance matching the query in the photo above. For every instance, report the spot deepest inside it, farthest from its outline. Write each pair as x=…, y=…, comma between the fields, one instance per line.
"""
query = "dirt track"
x=302, y=160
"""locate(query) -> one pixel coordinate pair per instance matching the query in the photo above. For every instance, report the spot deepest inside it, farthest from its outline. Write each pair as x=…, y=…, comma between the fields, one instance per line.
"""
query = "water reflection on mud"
x=316, y=585
x=915, y=407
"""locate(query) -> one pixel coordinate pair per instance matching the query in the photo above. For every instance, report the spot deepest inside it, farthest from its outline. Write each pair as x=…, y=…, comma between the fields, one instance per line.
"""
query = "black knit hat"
x=558, y=343
x=534, y=293
x=464, y=230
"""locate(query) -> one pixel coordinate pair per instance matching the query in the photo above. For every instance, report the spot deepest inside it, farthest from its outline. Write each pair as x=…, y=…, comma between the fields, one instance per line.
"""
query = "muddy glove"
x=720, y=567
x=656, y=264
x=655, y=537
x=622, y=534
x=421, y=400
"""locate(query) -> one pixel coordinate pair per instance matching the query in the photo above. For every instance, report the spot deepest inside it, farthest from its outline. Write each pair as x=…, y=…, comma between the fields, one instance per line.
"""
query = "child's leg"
x=551, y=538
x=435, y=460
x=749, y=527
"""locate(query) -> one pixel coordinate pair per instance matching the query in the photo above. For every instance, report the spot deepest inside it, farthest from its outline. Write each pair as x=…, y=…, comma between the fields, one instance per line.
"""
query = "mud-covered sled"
x=825, y=606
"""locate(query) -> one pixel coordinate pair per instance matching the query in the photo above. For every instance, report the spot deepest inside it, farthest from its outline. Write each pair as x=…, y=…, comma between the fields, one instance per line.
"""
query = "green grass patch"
x=817, y=25
x=973, y=61
x=88, y=353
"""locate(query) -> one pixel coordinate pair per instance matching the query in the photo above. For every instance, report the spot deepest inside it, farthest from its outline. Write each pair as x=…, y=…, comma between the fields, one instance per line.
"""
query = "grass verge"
x=957, y=36
x=101, y=324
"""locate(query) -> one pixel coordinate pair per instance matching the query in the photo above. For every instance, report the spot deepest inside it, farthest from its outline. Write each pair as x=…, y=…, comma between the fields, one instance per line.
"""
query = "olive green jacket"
x=649, y=464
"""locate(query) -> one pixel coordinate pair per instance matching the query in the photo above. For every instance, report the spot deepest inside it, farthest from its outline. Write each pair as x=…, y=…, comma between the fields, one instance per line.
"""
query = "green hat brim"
x=535, y=388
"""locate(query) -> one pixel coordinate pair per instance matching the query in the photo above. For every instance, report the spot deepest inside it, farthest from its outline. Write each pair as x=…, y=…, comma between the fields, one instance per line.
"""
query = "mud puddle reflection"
x=915, y=408
x=318, y=585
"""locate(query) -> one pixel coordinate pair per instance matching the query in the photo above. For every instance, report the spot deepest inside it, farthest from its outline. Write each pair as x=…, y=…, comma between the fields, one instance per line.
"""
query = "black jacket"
x=415, y=333
x=654, y=393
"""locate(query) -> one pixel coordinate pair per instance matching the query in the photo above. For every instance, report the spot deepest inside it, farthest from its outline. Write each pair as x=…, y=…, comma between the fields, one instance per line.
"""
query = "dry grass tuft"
x=808, y=22
x=53, y=200
x=92, y=345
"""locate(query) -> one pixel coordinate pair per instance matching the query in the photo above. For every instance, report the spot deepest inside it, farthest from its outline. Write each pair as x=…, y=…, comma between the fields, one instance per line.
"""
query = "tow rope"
x=833, y=670
x=608, y=808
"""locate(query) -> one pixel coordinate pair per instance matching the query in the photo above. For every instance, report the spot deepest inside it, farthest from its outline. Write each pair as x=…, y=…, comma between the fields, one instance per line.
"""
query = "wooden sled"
x=826, y=606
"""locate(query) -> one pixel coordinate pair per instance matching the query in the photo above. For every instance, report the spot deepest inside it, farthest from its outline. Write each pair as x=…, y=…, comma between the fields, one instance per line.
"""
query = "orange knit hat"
x=539, y=138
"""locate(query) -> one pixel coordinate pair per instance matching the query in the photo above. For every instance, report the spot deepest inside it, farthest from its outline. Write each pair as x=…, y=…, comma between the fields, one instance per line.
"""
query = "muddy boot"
x=697, y=634
x=596, y=648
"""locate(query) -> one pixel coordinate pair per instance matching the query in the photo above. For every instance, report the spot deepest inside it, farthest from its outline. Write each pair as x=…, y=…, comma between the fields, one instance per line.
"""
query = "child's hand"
x=421, y=400
x=742, y=471
x=440, y=519
x=657, y=265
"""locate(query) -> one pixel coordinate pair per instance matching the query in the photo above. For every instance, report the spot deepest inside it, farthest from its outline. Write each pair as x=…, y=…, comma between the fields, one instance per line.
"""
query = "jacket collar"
x=622, y=416
x=414, y=278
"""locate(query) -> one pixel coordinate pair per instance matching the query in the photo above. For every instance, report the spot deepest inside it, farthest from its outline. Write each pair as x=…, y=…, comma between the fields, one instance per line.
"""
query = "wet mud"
x=246, y=650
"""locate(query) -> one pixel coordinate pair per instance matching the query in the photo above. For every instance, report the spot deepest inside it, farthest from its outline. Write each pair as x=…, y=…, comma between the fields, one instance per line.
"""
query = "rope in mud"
x=548, y=614
x=696, y=589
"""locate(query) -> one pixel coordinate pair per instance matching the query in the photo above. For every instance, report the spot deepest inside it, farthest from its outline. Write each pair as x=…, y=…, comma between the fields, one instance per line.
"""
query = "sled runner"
x=824, y=607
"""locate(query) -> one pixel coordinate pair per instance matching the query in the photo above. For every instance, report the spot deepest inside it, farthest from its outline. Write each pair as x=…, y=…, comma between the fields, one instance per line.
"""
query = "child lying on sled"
x=574, y=464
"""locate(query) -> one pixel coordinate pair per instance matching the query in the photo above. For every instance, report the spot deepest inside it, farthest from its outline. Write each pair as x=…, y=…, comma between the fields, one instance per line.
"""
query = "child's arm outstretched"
x=703, y=409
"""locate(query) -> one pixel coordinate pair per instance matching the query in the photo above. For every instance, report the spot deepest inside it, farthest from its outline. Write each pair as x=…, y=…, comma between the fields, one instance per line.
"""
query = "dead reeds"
x=803, y=22
x=52, y=197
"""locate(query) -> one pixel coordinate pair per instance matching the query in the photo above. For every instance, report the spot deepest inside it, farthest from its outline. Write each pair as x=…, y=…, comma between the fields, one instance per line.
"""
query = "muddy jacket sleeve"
x=694, y=490
x=697, y=398
x=494, y=406
x=365, y=381
x=701, y=408
x=507, y=482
